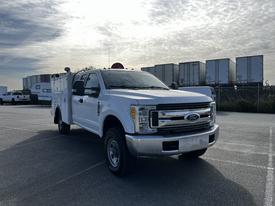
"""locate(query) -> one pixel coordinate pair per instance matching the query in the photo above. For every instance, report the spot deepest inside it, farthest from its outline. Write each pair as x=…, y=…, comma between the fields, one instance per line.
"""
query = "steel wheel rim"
x=113, y=153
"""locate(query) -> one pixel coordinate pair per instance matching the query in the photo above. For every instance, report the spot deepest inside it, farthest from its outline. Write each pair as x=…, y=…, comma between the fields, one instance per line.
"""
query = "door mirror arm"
x=92, y=92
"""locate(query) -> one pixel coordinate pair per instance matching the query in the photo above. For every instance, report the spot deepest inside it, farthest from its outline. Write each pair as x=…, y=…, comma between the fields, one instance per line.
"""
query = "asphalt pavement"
x=40, y=167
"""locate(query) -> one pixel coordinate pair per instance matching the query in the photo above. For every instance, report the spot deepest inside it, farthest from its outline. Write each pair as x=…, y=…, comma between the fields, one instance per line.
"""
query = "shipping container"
x=191, y=73
x=220, y=72
x=249, y=70
x=167, y=73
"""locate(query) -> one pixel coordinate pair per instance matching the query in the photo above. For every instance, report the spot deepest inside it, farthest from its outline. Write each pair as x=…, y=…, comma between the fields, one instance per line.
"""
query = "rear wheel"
x=119, y=160
x=1, y=102
x=193, y=154
x=63, y=128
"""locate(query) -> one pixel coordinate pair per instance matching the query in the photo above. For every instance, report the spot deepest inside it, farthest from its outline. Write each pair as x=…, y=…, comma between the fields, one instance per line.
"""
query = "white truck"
x=42, y=91
x=135, y=113
x=14, y=97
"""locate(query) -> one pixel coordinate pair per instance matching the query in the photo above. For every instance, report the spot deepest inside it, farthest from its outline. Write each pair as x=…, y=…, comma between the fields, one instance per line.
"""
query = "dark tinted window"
x=131, y=80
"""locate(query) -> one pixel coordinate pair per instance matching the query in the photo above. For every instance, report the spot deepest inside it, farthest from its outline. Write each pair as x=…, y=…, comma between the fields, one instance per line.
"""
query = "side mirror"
x=78, y=88
x=174, y=85
x=93, y=92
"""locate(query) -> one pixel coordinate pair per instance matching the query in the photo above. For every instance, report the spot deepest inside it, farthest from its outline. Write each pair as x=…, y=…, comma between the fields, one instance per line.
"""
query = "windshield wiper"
x=133, y=87
x=155, y=87
x=122, y=87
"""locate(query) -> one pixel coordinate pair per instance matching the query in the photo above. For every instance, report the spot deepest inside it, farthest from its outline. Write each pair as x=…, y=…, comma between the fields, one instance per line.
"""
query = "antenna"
x=109, y=64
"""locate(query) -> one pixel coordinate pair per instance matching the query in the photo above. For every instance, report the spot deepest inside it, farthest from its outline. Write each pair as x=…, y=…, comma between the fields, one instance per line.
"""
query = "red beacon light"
x=117, y=65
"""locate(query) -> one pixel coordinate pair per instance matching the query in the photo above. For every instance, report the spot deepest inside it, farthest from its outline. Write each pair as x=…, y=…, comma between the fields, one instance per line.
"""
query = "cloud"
x=17, y=65
x=27, y=22
x=51, y=34
x=17, y=32
x=24, y=27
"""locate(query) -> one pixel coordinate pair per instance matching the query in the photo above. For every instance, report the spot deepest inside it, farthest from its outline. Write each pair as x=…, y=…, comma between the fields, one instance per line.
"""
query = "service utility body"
x=135, y=113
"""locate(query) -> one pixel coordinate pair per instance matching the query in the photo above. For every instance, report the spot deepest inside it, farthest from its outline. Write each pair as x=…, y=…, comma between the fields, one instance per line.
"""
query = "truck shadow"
x=156, y=181
x=187, y=182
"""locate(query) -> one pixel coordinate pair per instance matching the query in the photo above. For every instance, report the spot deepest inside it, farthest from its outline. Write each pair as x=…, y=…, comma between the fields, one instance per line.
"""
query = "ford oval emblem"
x=192, y=117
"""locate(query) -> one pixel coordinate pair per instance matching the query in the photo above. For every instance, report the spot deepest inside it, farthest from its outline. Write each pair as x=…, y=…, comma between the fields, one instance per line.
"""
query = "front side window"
x=131, y=80
x=91, y=87
x=92, y=81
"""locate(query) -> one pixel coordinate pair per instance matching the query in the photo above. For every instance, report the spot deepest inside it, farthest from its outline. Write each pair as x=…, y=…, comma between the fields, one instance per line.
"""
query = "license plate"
x=193, y=143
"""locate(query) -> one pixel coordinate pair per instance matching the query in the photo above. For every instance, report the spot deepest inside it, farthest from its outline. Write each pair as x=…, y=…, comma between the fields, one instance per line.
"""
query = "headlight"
x=140, y=115
x=213, y=113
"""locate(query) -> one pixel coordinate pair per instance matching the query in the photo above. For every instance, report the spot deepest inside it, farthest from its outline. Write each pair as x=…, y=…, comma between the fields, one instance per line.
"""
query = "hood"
x=159, y=96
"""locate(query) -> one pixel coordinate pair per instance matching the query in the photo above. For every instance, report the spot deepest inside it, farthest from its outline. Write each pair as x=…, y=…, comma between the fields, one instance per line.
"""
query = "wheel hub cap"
x=113, y=153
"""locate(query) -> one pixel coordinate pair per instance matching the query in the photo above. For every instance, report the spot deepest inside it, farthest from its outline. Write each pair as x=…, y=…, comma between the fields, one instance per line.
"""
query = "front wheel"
x=119, y=160
x=1, y=102
x=193, y=154
x=63, y=128
x=13, y=102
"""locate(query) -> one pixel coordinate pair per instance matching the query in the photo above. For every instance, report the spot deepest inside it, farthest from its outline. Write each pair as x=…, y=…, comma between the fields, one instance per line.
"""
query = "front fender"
x=122, y=116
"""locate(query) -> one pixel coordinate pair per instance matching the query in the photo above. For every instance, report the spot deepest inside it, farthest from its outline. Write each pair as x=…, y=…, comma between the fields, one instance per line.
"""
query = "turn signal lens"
x=133, y=112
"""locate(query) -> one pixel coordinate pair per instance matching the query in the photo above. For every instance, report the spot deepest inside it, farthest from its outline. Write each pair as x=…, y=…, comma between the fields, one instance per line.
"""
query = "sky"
x=45, y=36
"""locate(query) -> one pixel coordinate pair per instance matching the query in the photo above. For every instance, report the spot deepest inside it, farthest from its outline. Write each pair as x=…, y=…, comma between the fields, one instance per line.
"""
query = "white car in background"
x=42, y=91
x=206, y=90
x=14, y=97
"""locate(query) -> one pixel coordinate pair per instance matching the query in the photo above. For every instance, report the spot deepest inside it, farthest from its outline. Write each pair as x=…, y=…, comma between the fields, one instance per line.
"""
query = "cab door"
x=78, y=109
x=91, y=103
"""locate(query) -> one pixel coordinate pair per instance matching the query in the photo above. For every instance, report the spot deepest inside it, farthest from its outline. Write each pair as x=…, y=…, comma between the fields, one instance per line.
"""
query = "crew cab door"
x=91, y=102
x=78, y=109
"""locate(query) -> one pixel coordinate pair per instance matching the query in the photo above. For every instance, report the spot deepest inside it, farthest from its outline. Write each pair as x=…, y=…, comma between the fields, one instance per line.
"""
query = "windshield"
x=131, y=80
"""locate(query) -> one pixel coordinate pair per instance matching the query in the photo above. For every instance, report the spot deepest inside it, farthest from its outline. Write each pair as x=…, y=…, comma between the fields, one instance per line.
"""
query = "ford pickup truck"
x=14, y=97
x=135, y=113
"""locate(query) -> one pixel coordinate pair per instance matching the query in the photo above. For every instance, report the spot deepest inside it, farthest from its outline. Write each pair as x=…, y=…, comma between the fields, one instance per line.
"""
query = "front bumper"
x=154, y=145
x=22, y=100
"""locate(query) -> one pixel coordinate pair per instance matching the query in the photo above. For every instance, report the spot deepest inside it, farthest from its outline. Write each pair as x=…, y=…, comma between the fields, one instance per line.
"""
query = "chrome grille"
x=175, y=118
x=181, y=129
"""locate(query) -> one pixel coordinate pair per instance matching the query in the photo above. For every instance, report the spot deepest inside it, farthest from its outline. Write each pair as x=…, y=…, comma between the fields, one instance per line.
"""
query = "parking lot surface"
x=40, y=167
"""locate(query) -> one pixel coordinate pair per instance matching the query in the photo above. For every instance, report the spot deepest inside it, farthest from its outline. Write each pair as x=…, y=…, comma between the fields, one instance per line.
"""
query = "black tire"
x=193, y=154
x=63, y=128
x=1, y=102
x=13, y=102
x=125, y=161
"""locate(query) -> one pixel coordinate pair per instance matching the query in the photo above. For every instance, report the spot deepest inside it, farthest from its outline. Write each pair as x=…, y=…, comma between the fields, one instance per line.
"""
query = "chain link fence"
x=246, y=98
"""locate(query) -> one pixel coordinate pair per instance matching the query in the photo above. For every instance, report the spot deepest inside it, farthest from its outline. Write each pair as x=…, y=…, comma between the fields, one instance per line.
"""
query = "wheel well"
x=111, y=121
x=56, y=115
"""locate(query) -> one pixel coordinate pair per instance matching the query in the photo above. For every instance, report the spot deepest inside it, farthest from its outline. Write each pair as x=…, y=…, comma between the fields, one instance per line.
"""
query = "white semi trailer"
x=191, y=73
x=220, y=72
x=167, y=73
x=250, y=70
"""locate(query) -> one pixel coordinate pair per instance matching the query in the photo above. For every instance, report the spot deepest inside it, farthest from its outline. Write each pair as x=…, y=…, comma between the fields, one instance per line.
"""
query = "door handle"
x=80, y=100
